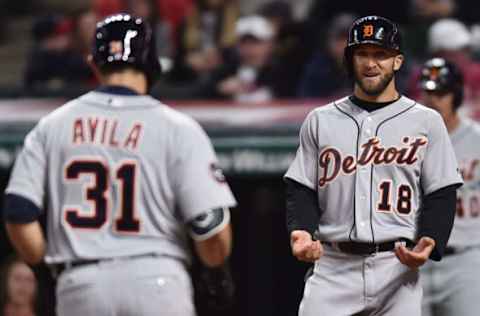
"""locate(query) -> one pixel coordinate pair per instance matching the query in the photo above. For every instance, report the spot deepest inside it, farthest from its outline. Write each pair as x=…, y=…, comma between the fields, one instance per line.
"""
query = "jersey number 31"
x=97, y=194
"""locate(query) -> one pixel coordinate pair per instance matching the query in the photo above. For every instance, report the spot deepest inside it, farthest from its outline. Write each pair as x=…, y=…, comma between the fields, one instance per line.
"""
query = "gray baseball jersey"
x=466, y=230
x=451, y=286
x=371, y=169
x=118, y=176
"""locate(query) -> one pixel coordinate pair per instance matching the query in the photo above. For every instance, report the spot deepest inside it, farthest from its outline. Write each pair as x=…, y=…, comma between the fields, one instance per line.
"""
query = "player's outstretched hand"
x=304, y=248
x=418, y=255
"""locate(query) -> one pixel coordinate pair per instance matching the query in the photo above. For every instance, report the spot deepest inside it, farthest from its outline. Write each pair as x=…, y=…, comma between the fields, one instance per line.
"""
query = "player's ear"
x=398, y=62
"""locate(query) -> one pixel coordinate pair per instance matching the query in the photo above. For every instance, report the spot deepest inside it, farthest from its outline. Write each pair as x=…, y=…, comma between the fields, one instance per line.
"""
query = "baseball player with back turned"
x=451, y=287
x=122, y=179
x=374, y=182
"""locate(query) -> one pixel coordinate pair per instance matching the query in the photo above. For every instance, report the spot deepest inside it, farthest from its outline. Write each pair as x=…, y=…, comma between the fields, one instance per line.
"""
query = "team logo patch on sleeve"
x=208, y=223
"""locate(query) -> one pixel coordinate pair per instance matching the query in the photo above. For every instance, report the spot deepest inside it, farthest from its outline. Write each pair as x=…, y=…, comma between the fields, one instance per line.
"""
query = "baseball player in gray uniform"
x=125, y=181
x=452, y=286
x=371, y=192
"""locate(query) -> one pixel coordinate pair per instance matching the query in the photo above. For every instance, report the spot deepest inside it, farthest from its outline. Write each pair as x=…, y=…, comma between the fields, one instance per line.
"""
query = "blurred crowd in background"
x=240, y=50
x=246, y=51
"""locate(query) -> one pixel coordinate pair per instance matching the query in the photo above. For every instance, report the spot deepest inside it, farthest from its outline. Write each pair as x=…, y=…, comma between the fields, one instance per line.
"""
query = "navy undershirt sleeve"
x=20, y=210
x=302, y=210
x=436, y=218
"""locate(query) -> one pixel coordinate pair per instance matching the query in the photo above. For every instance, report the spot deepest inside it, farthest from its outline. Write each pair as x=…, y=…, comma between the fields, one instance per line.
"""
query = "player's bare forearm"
x=304, y=248
x=216, y=249
x=28, y=241
x=416, y=257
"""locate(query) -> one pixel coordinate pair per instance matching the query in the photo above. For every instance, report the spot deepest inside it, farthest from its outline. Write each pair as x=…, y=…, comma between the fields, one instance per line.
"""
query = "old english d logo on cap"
x=367, y=30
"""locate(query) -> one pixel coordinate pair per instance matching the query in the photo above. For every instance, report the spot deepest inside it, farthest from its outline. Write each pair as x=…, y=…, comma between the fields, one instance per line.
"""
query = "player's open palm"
x=304, y=248
x=418, y=255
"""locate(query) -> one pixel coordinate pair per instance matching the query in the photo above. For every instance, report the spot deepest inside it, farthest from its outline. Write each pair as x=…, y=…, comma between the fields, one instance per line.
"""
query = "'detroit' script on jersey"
x=371, y=169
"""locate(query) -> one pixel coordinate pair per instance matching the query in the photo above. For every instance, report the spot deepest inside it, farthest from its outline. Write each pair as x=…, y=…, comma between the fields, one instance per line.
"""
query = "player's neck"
x=132, y=80
x=452, y=122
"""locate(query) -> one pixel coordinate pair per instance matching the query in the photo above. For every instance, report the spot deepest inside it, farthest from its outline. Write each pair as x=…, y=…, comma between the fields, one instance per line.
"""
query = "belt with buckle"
x=365, y=248
x=58, y=268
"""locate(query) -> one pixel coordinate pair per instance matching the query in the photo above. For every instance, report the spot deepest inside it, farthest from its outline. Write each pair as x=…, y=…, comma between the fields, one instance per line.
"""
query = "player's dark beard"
x=378, y=88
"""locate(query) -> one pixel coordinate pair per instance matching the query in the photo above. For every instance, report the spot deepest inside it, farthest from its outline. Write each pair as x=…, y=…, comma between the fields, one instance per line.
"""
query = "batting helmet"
x=124, y=40
x=441, y=76
x=374, y=30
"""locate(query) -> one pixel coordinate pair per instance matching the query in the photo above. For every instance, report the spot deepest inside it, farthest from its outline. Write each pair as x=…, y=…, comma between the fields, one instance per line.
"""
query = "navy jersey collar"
x=370, y=106
x=120, y=90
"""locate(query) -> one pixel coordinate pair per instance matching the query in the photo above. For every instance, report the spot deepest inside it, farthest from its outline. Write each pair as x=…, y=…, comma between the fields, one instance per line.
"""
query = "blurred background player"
x=124, y=180
x=452, y=40
x=451, y=287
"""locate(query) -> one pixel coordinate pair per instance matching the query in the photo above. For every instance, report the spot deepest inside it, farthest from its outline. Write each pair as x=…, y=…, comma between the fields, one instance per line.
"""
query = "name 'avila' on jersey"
x=102, y=131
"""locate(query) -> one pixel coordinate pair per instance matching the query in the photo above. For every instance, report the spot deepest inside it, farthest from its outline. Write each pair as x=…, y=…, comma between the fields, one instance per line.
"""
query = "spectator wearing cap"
x=248, y=76
x=324, y=75
x=450, y=39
